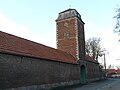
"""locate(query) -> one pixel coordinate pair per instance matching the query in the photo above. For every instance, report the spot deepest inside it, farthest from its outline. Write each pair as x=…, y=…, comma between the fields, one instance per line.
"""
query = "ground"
x=109, y=84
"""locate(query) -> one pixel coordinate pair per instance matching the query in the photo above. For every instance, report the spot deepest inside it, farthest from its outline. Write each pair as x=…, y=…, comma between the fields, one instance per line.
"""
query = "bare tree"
x=118, y=67
x=111, y=66
x=117, y=17
x=101, y=66
x=93, y=48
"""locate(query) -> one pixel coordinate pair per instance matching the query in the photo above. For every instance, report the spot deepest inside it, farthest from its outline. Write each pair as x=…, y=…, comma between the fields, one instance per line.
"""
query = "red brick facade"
x=70, y=33
x=66, y=36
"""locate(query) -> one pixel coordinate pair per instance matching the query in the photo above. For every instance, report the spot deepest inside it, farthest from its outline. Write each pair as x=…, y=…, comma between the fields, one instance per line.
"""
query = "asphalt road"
x=109, y=84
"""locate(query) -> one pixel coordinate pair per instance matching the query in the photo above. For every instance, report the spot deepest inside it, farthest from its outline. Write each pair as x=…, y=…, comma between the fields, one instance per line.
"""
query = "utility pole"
x=104, y=62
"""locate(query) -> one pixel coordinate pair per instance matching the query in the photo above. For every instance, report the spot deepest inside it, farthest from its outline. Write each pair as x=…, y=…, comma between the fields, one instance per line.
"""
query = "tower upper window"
x=66, y=35
x=66, y=24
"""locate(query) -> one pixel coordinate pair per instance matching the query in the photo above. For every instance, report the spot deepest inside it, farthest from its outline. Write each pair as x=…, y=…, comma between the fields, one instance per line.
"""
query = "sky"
x=35, y=20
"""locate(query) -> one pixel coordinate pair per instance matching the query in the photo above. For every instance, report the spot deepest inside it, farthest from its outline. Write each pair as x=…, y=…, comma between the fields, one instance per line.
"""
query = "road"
x=109, y=84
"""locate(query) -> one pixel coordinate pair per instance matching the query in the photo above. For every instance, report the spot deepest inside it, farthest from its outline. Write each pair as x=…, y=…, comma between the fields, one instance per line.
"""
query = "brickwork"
x=16, y=71
x=70, y=35
x=68, y=42
x=81, y=39
x=93, y=71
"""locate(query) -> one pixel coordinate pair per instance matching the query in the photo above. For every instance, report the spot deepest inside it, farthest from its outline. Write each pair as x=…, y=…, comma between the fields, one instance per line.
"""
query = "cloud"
x=11, y=27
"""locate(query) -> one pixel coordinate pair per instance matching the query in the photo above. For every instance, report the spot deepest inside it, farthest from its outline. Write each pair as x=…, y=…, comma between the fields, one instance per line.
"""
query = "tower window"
x=66, y=35
x=66, y=24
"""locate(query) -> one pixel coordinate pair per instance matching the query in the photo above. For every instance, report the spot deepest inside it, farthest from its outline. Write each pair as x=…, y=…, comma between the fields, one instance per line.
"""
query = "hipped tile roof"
x=15, y=45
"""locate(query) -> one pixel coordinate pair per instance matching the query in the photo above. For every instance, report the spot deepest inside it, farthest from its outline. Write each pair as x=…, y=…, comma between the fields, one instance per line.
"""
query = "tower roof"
x=68, y=14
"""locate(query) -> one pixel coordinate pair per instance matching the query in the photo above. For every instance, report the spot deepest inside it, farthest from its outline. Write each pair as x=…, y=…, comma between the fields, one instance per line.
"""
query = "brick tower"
x=70, y=33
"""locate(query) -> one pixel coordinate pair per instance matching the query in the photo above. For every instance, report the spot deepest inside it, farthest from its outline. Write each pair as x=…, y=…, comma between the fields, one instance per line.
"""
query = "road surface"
x=109, y=84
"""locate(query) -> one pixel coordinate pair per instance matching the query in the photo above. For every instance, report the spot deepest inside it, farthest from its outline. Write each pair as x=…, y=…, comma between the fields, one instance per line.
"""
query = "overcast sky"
x=35, y=20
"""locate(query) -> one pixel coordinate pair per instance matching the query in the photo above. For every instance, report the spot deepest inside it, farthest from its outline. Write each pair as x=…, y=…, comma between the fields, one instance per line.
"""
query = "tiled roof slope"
x=113, y=71
x=15, y=45
x=88, y=58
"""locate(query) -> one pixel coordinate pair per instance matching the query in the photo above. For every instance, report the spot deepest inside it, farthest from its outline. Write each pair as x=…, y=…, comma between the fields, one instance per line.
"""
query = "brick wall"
x=66, y=36
x=81, y=39
x=93, y=71
x=16, y=71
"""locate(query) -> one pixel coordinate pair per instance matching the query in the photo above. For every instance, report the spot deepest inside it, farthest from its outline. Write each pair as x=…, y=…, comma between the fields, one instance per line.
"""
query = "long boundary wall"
x=19, y=71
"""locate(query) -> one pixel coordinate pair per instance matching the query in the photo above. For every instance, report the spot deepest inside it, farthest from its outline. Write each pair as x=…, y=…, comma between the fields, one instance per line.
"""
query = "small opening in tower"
x=66, y=35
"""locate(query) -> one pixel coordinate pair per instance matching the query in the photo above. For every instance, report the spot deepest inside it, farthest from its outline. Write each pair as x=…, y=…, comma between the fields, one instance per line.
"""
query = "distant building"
x=113, y=73
x=27, y=64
